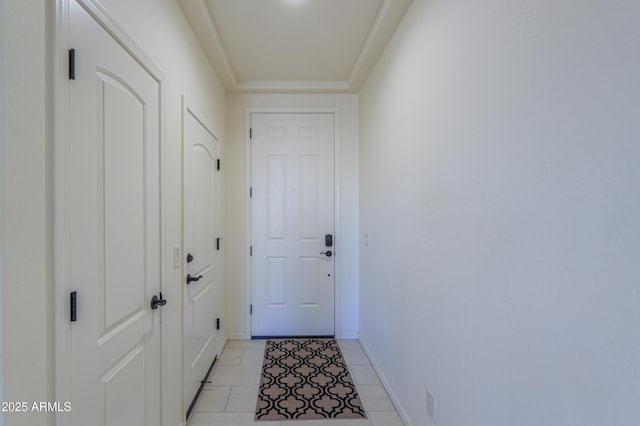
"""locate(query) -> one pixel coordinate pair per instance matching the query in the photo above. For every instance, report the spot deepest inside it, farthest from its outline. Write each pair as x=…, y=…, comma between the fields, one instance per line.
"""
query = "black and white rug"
x=306, y=379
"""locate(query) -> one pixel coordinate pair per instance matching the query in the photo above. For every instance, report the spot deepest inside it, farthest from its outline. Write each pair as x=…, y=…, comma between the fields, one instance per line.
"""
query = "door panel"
x=309, y=281
x=276, y=195
x=114, y=230
x=123, y=407
x=201, y=223
x=308, y=197
x=121, y=166
x=292, y=209
x=276, y=271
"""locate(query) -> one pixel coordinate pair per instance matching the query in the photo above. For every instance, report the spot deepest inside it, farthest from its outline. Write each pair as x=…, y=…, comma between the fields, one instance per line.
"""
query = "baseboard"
x=347, y=335
x=385, y=383
x=222, y=345
x=237, y=336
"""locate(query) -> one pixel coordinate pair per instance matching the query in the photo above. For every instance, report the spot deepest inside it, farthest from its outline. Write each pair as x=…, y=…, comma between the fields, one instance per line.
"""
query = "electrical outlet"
x=431, y=406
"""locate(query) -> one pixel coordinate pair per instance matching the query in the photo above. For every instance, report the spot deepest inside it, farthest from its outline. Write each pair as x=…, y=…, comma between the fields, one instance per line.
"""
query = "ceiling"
x=293, y=45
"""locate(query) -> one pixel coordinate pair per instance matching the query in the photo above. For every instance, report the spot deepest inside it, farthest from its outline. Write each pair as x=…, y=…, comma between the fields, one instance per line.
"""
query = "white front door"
x=293, y=210
x=113, y=231
x=201, y=266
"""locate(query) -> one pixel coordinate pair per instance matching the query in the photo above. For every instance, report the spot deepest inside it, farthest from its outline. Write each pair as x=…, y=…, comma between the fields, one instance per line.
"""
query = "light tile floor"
x=231, y=399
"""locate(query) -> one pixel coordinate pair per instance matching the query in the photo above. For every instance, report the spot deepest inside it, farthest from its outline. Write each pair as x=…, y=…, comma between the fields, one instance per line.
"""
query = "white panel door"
x=201, y=267
x=113, y=231
x=292, y=210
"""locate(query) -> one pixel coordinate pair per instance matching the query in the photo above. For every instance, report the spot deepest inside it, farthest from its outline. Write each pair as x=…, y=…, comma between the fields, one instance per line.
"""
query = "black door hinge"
x=250, y=191
x=74, y=306
x=72, y=64
x=217, y=323
x=250, y=250
x=218, y=243
x=250, y=309
x=218, y=164
x=250, y=133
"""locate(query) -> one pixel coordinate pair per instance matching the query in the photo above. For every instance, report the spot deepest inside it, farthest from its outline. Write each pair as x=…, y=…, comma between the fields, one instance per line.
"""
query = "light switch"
x=177, y=257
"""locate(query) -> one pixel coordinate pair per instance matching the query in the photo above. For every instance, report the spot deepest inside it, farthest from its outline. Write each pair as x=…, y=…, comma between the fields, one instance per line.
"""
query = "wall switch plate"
x=177, y=257
x=431, y=406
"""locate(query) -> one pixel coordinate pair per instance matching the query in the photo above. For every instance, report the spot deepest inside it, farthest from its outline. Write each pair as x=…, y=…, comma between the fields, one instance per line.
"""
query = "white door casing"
x=292, y=209
x=113, y=231
x=201, y=339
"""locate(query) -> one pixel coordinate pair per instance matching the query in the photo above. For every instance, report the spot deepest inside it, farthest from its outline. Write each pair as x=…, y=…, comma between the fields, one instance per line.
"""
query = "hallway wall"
x=499, y=186
x=26, y=209
x=1, y=208
x=159, y=28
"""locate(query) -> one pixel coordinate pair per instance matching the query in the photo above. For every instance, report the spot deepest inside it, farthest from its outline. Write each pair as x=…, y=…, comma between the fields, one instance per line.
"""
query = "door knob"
x=157, y=301
x=327, y=253
x=190, y=278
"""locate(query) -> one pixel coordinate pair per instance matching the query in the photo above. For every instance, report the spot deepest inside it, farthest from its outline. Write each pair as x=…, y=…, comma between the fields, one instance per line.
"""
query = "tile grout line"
x=224, y=410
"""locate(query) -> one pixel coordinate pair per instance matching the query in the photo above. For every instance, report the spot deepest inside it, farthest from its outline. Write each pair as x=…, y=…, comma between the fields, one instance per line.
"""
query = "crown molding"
x=200, y=17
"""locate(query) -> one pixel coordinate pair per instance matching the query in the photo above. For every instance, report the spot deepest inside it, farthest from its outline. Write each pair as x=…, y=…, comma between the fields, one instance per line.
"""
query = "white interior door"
x=292, y=210
x=201, y=267
x=113, y=228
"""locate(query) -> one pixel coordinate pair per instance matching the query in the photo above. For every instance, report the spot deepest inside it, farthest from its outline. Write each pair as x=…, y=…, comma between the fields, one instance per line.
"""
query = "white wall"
x=26, y=204
x=161, y=31
x=1, y=209
x=237, y=198
x=499, y=186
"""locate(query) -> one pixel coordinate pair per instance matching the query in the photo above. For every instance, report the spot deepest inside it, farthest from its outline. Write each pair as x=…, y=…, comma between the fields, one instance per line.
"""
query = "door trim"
x=60, y=105
x=336, y=193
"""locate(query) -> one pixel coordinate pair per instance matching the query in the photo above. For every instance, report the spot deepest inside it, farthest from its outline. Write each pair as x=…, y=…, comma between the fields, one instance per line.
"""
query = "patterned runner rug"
x=306, y=379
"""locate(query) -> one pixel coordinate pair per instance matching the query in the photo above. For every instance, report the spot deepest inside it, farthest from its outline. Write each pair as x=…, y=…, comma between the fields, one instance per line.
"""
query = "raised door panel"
x=276, y=281
x=276, y=197
x=121, y=166
x=308, y=220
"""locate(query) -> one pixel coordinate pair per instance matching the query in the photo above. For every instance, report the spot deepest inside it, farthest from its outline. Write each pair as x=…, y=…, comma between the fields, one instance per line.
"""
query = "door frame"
x=60, y=125
x=337, y=323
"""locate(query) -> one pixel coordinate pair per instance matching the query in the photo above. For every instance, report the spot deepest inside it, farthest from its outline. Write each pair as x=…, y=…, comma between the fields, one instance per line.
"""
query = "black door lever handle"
x=157, y=301
x=190, y=278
